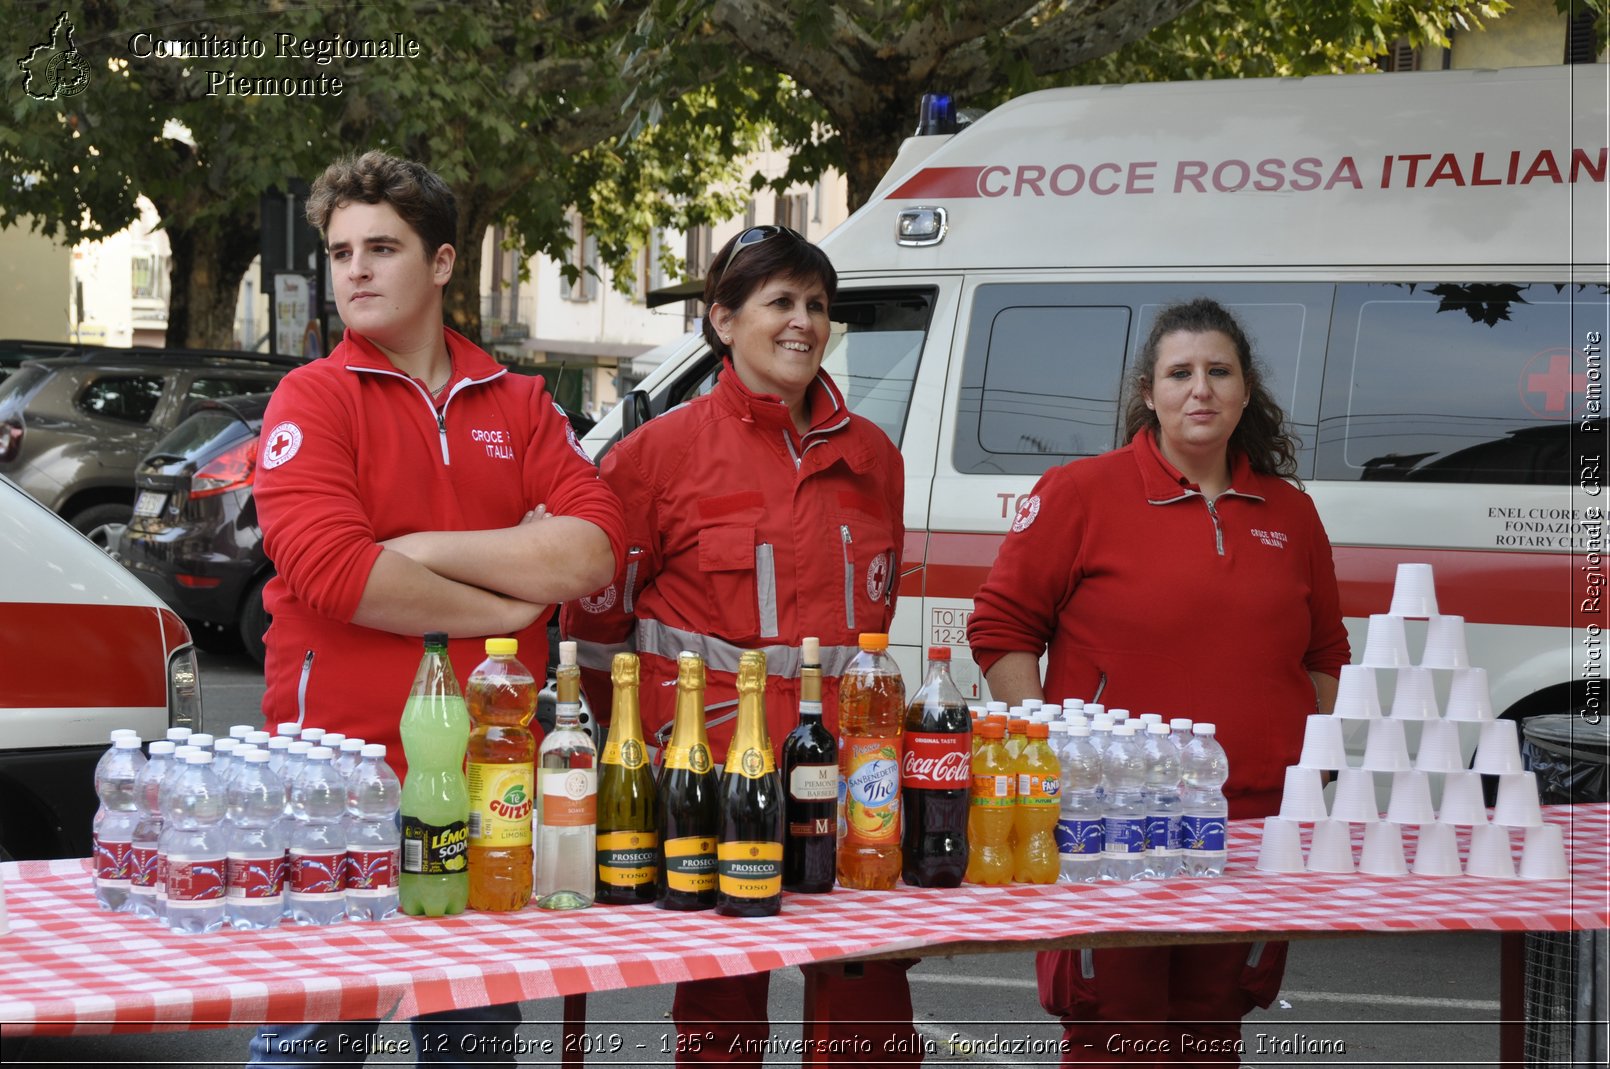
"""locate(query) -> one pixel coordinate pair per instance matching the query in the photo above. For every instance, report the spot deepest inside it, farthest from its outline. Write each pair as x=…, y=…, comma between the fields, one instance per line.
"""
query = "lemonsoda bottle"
x=990, y=809
x=1039, y=804
x=501, y=774
x=872, y=716
x=435, y=729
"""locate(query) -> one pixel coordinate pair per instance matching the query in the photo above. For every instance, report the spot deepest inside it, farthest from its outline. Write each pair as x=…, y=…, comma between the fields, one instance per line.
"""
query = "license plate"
x=149, y=503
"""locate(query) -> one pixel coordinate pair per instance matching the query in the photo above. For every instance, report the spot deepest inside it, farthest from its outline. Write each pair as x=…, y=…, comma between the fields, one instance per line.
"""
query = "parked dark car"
x=194, y=538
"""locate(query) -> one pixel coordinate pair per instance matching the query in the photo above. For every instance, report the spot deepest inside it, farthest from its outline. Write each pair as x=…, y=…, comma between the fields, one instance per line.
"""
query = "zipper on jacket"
x=849, y=577
x=441, y=431
x=766, y=589
x=301, y=689
x=1218, y=528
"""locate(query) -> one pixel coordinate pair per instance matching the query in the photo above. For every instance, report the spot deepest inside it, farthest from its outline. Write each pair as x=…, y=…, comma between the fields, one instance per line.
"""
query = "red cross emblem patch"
x=281, y=444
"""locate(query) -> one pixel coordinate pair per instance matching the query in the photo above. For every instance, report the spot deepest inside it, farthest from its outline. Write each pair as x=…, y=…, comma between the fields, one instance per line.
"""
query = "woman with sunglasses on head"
x=757, y=515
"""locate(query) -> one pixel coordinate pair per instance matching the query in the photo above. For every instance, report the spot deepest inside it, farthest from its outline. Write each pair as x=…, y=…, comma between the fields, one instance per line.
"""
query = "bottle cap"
x=178, y=734
x=118, y=733
x=502, y=647
x=1180, y=723
x=198, y=757
x=1118, y=714
x=202, y=739
x=1126, y=728
x=180, y=752
x=290, y=729
x=567, y=653
x=1059, y=727
x=333, y=739
x=1203, y=729
x=435, y=638
x=300, y=747
x=1077, y=720
x=226, y=745
x=280, y=742
x=350, y=745
x=996, y=707
x=126, y=742
x=1017, y=725
x=258, y=738
x=1039, y=729
x=1093, y=709
x=1032, y=703
x=312, y=734
x=163, y=747
x=1101, y=721
x=1151, y=718
x=1073, y=703
x=810, y=649
x=320, y=753
x=255, y=757
x=873, y=642
x=1079, y=731
x=240, y=731
x=939, y=653
x=1157, y=727
x=992, y=729
x=374, y=749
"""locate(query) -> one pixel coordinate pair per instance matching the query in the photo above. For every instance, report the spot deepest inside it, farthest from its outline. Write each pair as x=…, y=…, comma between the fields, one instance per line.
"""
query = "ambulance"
x=1421, y=263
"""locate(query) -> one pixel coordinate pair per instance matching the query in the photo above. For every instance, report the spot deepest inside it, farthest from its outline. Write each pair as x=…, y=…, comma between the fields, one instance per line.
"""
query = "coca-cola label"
x=143, y=869
x=1081, y=838
x=937, y=761
x=373, y=871
x=194, y=879
x=112, y=860
x=256, y=878
x=316, y=873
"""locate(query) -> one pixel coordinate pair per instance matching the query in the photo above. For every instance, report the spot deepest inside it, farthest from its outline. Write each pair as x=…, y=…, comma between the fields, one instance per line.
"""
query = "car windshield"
x=201, y=435
x=16, y=387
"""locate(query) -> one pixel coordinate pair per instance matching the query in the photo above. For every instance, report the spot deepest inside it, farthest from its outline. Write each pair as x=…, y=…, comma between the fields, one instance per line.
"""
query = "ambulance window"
x=1459, y=382
x=872, y=352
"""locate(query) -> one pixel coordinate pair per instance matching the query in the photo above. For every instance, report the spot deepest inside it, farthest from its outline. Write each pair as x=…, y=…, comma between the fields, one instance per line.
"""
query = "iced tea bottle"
x=872, y=714
x=501, y=771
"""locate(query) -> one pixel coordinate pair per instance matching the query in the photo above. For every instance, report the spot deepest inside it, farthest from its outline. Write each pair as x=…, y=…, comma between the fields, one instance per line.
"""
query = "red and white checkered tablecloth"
x=69, y=967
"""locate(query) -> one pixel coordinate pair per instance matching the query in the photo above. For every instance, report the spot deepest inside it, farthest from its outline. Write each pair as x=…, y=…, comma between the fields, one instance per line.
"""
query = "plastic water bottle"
x=223, y=758
x=145, y=873
x=279, y=751
x=255, y=897
x=295, y=760
x=1179, y=730
x=346, y=761
x=1163, y=858
x=317, y=877
x=115, y=776
x=374, y=836
x=1081, y=834
x=200, y=740
x=194, y=852
x=1205, y=824
x=1123, y=767
x=170, y=775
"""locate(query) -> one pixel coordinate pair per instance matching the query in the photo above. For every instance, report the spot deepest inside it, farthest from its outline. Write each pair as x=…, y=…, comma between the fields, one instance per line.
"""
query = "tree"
x=863, y=64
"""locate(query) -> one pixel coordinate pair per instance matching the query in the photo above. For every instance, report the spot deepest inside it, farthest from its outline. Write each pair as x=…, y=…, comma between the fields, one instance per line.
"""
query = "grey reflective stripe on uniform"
x=766, y=589
x=627, y=585
x=655, y=639
x=849, y=578
x=1087, y=964
x=600, y=656
x=1255, y=955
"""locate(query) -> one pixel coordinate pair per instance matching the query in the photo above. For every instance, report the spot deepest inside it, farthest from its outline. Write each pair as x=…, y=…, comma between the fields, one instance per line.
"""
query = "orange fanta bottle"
x=1039, y=804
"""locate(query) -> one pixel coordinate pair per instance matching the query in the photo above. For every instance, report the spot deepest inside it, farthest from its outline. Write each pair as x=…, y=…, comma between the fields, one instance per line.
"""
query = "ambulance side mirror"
x=634, y=411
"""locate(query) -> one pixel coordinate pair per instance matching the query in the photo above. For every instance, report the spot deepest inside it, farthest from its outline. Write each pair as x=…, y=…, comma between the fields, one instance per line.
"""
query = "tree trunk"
x=461, y=304
x=209, y=260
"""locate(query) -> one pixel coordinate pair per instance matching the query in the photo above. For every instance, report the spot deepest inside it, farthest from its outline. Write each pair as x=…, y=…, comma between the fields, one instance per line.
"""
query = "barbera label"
x=256, y=878
x=569, y=797
x=750, y=869
x=1085, y=838
x=434, y=849
x=502, y=799
x=316, y=872
x=112, y=861
x=1125, y=836
x=372, y=872
x=192, y=880
x=690, y=864
x=994, y=791
x=872, y=788
x=627, y=858
x=814, y=783
x=1163, y=831
x=937, y=761
x=1202, y=832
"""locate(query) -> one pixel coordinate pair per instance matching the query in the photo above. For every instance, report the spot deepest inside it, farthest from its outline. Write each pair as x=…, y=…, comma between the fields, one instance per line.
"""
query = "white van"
x=1420, y=261
x=85, y=648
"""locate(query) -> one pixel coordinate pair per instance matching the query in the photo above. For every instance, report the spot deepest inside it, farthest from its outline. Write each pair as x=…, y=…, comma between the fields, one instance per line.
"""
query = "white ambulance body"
x=1420, y=260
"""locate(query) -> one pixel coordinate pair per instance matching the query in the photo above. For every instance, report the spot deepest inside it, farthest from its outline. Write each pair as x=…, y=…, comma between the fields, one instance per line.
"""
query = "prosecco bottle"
x=627, y=858
x=749, y=854
x=811, y=780
x=688, y=801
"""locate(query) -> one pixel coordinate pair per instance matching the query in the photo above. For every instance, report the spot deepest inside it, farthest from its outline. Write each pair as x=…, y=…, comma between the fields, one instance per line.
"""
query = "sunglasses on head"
x=752, y=237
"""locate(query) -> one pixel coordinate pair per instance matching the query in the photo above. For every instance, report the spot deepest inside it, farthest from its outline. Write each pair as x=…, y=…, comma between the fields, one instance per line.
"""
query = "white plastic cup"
x=1490, y=854
x=1518, y=805
x=1414, y=595
x=1282, y=846
x=1543, y=855
x=1445, y=643
x=1498, y=750
x=1469, y=699
x=1385, y=645
x=1355, y=797
x=1462, y=802
x=1303, y=799
x=1436, y=851
x=1322, y=743
x=1411, y=799
x=1383, y=850
x=1331, y=849
x=1439, y=749
x=1415, y=696
x=1356, y=695
x=1386, y=749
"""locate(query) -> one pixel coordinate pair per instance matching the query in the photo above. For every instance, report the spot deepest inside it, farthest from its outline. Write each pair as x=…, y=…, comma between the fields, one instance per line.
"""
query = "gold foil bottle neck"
x=752, y=672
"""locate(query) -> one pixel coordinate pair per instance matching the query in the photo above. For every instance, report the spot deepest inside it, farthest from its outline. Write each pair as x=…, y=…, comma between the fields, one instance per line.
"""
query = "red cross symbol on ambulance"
x=283, y=442
x=1550, y=375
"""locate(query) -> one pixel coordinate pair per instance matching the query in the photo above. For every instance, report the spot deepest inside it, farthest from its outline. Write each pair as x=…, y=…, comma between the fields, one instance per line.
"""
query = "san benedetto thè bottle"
x=749, y=855
x=688, y=800
x=627, y=840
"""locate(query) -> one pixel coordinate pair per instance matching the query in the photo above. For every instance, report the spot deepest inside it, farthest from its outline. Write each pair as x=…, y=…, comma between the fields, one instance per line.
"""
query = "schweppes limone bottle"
x=749, y=857
x=688, y=805
x=627, y=840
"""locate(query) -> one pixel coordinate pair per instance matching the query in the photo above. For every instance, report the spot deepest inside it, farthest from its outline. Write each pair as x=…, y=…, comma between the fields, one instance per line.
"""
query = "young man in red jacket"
x=408, y=483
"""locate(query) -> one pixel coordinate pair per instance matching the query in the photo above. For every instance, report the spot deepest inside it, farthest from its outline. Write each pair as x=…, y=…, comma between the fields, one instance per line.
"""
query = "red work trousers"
x=1152, y=1006
x=723, y=1021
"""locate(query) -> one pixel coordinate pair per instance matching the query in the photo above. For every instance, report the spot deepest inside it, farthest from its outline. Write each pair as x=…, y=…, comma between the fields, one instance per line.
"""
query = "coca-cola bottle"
x=935, y=778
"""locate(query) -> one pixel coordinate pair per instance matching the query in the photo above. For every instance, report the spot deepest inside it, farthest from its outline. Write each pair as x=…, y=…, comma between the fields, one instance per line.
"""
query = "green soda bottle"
x=435, y=878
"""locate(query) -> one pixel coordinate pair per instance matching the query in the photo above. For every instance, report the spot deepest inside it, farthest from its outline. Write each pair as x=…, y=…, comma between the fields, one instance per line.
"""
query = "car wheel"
x=103, y=524
x=254, y=620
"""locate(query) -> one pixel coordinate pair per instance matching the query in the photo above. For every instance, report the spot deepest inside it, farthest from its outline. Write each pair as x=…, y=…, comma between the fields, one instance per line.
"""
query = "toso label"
x=1202, y=832
x=872, y=788
x=372, y=873
x=501, y=803
x=433, y=850
x=814, y=783
x=1163, y=831
x=569, y=797
x=316, y=872
x=994, y=791
x=1125, y=836
x=1080, y=837
x=195, y=880
x=628, y=753
x=753, y=763
x=750, y=870
x=937, y=761
x=112, y=861
x=257, y=878
x=627, y=858
x=690, y=864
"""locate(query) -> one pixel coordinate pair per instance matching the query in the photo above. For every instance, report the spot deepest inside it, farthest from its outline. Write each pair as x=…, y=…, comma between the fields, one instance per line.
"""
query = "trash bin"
x=1566, y=989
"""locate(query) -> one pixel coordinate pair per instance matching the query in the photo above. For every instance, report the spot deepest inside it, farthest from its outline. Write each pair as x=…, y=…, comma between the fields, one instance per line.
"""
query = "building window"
x=1582, y=37
x=793, y=210
x=149, y=273
x=583, y=256
x=650, y=266
x=701, y=247
x=1400, y=56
